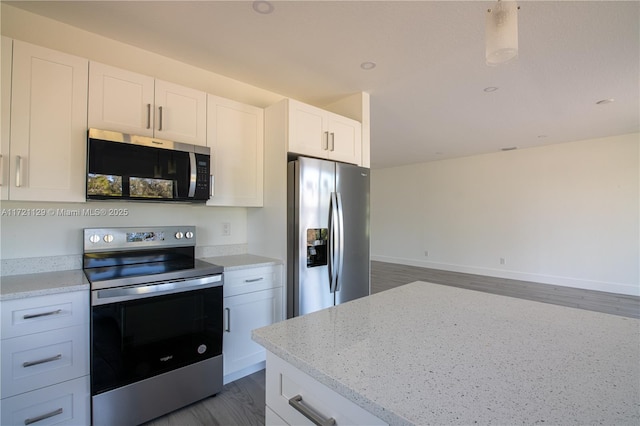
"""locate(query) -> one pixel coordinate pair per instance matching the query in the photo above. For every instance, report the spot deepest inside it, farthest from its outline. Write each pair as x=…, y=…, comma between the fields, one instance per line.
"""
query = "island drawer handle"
x=316, y=419
x=254, y=280
x=42, y=361
x=43, y=314
x=42, y=417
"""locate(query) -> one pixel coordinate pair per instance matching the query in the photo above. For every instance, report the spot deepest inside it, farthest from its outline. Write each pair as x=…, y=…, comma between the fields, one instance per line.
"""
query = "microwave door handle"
x=193, y=176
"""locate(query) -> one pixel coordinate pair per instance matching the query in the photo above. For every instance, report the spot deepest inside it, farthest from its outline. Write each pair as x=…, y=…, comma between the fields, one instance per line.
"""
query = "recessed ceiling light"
x=605, y=101
x=368, y=65
x=262, y=6
x=490, y=89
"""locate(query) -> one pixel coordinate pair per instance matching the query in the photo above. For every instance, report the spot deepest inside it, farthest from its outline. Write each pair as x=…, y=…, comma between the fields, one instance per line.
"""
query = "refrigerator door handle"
x=333, y=242
x=340, y=250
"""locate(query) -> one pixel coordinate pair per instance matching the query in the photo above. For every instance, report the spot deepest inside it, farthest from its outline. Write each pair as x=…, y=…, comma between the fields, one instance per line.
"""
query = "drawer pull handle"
x=43, y=314
x=41, y=361
x=42, y=417
x=316, y=419
x=253, y=280
x=228, y=327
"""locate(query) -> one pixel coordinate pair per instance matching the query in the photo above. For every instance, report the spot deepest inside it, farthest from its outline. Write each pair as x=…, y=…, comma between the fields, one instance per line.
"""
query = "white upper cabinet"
x=133, y=103
x=120, y=100
x=235, y=134
x=181, y=113
x=48, y=125
x=323, y=134
x=5, y=109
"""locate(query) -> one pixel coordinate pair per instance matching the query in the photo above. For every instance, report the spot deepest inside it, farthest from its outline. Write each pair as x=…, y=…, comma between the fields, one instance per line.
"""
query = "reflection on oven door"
x=138, y=339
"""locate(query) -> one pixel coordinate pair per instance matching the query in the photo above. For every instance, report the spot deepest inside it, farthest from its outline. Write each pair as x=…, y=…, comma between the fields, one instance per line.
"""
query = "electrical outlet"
x=226, y=229
x=503, y=261
x=426, y=253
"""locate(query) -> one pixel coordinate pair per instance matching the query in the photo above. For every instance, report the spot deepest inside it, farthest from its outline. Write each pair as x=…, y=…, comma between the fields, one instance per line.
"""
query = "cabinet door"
x=244, y=313
x=308, y=133
x=235, y=134
x=345, y=139
x=67, y=403
x=43, y=359
x=5, y=109
x=181, y=113
x=120, y=100
x=48, y=125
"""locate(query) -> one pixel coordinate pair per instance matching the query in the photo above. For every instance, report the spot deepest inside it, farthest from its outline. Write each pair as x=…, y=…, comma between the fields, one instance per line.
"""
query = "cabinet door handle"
x=1, y=170
x=41, y=361
x=228, y=327
x=148, y=116
x=333, y=141
x=42, y=314
x=160, y=118
x=253, y=280
x=32, y=420
x=316, y=419
x=325, y=141
x=18, y=171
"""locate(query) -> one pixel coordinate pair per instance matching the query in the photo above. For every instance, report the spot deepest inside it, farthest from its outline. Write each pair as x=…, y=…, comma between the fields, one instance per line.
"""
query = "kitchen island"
x=425, y=353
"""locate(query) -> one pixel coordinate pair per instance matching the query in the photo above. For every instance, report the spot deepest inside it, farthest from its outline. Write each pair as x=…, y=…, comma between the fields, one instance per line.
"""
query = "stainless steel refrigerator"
x=328, y=234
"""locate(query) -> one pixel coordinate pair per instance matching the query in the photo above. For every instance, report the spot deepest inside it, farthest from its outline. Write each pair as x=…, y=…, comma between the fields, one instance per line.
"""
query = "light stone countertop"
x=241, y=261
x=45, y=283
x=42, y=284
x=426, y=353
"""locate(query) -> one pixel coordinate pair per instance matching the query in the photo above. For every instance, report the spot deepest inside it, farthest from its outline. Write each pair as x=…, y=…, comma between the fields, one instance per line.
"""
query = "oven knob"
x=179, y=235
x=202, y=349
x=189, y=235
x=108, y=238
x=95, y=238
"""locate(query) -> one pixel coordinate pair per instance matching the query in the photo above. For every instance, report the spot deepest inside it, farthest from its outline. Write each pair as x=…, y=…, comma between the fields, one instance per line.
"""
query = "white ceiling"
x=427, y=97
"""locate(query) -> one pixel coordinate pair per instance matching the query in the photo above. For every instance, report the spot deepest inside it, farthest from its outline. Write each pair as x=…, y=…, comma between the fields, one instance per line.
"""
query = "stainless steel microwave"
x=129, y=167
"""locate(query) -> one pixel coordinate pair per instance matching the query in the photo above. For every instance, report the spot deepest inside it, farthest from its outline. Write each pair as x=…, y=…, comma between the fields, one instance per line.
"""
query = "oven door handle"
x=120, y=294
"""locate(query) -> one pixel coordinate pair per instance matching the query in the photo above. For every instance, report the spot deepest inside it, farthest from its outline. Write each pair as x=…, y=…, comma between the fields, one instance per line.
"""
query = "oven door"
x=144, y=333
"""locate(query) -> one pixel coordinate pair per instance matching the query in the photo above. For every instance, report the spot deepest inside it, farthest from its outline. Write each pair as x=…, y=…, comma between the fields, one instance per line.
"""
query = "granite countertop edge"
x=46, y=283
x=363, y=402
x=241, y=261
x=42, y=284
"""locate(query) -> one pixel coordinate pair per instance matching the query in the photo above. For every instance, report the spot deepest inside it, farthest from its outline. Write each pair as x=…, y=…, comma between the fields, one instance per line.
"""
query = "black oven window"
x=138, y=339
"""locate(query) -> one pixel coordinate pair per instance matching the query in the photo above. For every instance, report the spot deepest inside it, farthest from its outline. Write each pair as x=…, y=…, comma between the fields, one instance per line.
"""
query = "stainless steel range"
x=156, y=322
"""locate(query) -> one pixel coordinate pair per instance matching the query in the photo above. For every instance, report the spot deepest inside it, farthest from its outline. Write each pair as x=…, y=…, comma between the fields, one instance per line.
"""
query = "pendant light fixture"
x=501, y=32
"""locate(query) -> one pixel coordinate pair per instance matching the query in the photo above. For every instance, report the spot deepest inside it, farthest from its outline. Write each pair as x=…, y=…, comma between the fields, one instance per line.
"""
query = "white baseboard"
x=244, y=372
x=618, y=288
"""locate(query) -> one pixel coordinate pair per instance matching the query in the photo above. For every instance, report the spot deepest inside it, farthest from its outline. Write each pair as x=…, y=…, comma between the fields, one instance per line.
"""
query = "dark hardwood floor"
x=389, y=275
x=242, y=402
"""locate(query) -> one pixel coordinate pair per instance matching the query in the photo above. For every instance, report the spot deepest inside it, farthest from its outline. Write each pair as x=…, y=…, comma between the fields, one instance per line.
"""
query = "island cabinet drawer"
x=298, y=399
x=43, y=359
x=62, y=404
x=43, y=313
x=252, y=279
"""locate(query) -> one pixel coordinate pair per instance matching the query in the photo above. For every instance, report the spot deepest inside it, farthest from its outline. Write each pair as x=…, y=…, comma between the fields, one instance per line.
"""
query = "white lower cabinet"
x=295, y=398
x=66, y=403
x=253, y=299
x=44, y=362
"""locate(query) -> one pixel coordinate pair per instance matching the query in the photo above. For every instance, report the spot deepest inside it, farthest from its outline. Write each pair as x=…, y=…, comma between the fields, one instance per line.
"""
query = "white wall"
x=566, y=214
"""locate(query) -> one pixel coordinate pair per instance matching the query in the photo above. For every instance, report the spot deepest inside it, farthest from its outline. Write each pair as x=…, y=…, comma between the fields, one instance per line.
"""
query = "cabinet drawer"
x=36, y=314
x=252, y=279
x=62, y=404
x=284, y=381
x=43, y=359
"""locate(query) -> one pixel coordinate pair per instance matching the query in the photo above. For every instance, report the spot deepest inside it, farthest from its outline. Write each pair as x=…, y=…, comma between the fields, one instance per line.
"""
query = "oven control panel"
x=99, y=239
